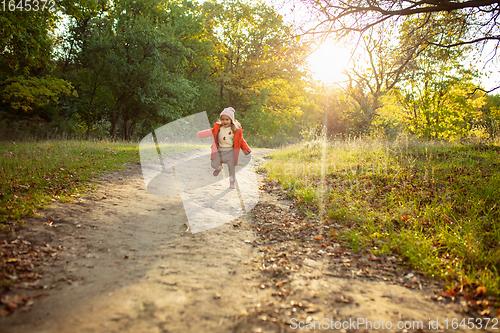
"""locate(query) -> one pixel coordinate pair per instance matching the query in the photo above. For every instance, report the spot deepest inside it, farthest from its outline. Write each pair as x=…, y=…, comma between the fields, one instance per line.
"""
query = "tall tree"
x=393, y=55
x=26, y=42
x=254, y=46
x=472, y=21
x=27, y=84
x=380, y=67
x=136, y=54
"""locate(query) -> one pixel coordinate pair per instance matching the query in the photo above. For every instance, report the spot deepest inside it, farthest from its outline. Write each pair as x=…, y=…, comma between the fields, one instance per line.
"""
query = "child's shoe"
x=216, y=172
x=231, y=185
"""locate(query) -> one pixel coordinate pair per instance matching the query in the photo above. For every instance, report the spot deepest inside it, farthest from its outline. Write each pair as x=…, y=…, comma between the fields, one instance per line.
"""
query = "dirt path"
x=126, y=264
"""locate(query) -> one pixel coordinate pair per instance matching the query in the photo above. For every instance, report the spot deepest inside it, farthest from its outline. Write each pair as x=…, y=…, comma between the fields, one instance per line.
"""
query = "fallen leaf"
x=29, y=303
x=480, y=290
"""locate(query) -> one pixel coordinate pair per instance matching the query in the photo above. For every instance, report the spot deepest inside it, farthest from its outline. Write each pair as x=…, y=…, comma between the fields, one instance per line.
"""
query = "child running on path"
x=226, y=144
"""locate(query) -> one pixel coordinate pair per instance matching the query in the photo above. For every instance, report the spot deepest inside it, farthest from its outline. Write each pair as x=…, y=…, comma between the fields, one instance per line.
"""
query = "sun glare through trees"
x=328, y=63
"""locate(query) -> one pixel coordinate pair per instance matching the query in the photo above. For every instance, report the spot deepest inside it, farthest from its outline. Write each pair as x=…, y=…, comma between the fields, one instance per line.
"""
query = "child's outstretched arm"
x=244, y=146
x=205, y=133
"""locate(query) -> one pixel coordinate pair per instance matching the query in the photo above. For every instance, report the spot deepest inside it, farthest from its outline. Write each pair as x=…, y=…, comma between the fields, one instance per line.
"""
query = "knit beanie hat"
x=228, y=112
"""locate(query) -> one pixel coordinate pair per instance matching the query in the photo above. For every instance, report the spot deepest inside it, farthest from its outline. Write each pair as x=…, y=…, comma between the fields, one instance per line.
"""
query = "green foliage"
x=405, y=83
x=257, y=65
x=443, y=107
x=26, y=93
x=390, y=121
x=438, y=92
x=490, y=116
x=26, y=42
x=135, y=64
x=332, y=108
x=277, y=109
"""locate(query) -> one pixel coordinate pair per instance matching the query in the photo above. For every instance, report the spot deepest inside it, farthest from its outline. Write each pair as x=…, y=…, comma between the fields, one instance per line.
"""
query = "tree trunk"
x=132, y=129
x=115, y=116
x=125, y=128
x=132, y=126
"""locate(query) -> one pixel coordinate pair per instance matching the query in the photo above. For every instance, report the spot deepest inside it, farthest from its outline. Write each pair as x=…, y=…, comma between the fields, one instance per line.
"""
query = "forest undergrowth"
x=434, y=204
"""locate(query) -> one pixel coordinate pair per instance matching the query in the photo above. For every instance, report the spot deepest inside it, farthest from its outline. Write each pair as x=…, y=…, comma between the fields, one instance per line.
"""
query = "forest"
x=119, y=69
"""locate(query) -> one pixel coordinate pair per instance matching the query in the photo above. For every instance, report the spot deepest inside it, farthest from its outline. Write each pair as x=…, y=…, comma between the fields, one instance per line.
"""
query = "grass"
x=35, y=174
x=434, y=204
x=279, y=140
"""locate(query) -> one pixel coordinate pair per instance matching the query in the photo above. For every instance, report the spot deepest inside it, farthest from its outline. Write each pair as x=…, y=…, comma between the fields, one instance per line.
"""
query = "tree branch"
x=474, y=41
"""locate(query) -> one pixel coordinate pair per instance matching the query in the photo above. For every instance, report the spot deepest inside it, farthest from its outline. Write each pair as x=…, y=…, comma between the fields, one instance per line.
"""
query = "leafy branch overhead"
x=361, y=15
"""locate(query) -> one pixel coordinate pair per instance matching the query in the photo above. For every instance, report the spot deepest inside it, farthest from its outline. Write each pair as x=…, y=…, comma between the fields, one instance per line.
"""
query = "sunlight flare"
x=328, y=62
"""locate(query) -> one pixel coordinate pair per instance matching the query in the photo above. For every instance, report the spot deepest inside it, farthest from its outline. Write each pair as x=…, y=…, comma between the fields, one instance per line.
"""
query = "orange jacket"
x=238, y=143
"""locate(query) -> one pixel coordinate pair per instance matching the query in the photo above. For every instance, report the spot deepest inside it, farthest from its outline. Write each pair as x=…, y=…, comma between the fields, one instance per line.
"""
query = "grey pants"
x=225, y=156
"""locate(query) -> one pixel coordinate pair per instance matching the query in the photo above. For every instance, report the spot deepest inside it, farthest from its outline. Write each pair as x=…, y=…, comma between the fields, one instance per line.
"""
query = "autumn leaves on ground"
x=35, y=174
x=431, y=206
